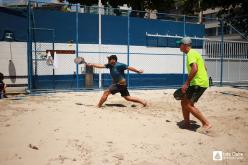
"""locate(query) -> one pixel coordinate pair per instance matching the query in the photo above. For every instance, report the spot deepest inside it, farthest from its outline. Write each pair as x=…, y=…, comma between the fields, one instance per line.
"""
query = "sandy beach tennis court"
x=67, y=128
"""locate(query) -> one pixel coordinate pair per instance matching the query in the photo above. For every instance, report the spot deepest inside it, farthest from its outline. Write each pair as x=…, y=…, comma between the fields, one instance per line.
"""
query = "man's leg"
x=136, y=100
x=103, y=98
x=186, y=114
x=4, y=91
x=192, y=109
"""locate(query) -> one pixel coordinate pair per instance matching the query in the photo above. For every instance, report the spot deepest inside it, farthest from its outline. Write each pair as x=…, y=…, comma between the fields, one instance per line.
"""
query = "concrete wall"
x=17, y=53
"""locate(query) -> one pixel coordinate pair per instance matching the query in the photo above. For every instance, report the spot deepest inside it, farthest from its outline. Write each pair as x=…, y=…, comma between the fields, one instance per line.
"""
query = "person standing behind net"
x=195, y=85
x=118, y=78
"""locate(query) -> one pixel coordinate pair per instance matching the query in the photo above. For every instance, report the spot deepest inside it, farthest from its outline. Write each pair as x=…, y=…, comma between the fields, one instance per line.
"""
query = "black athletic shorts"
x=193, y=93
x=2, y=86
x=115, y=88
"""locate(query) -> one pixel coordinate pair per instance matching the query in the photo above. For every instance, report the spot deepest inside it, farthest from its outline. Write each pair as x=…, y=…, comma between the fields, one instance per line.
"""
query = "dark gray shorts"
x=115, y=88
x=193, y=93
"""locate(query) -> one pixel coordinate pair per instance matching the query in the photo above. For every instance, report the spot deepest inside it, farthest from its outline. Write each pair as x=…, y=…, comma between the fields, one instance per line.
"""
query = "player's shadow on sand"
x=193, y=125
x=115, y=105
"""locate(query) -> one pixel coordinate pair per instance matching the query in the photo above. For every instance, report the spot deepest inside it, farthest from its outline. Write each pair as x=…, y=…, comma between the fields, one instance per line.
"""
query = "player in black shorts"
x=195, y=85
x=119, y=82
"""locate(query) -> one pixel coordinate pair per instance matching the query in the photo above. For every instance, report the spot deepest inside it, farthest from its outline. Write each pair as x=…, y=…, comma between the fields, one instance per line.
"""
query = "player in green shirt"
x=195, y=85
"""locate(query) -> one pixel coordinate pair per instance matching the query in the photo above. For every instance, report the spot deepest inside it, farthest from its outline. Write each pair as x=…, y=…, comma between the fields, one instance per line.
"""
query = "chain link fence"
x=39, y=56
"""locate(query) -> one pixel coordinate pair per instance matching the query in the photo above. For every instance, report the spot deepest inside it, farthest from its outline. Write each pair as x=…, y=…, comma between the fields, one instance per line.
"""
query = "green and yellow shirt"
x=201, y=77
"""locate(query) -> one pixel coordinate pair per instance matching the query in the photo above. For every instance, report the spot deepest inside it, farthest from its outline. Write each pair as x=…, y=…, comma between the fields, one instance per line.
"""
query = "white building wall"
x=17, y=52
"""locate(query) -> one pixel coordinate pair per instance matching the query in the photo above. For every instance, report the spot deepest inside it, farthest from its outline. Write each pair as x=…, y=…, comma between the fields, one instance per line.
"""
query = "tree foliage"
x=160, y=5
x=232, y=12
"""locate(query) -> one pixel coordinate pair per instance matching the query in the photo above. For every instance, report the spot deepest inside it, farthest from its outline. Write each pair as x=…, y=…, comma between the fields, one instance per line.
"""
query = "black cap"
x=112, y=57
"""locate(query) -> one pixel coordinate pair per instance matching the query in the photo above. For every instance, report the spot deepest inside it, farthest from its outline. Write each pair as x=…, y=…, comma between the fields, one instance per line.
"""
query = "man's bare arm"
x=135, y=70
x=96, y=65
x=194, y=69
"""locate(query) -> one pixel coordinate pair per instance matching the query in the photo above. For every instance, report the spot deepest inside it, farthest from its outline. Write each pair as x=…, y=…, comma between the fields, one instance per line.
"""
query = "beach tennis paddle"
x=178, y=94
x=80, y=60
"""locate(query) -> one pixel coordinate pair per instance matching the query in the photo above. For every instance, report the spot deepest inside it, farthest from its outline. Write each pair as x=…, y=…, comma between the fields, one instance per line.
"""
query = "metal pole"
x=29, y=50
x=100, y=39
x=33, y=30
x=77, y=78
x=228, y=71
x=128, y=45
x=239, y=81
x=222, y=52
x=53, y=35
x=184, y=34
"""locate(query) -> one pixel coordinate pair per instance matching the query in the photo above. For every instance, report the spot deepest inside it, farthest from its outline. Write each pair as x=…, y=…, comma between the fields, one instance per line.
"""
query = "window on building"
x=170, y=42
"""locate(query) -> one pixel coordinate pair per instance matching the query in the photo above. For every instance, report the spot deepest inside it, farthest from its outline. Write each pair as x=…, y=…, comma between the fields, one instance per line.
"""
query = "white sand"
x=52, y=129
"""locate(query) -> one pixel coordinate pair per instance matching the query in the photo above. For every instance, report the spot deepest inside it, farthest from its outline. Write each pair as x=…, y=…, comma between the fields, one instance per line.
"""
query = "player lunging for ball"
x=118, y=78
x=195, y=85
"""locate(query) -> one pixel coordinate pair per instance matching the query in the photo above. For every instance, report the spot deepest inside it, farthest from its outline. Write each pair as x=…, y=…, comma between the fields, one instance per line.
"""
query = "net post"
x=77, y=77
x=184, y=34
x=222, y=51
x=128, y=46
x=29, y=50
x=100, y=39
